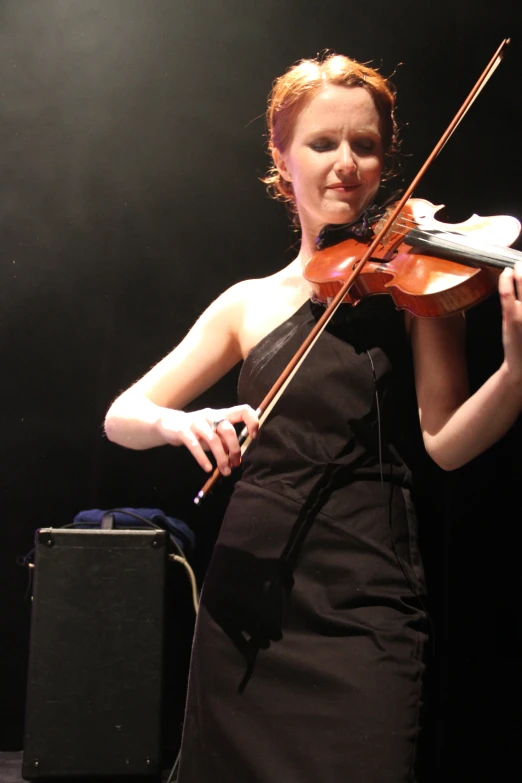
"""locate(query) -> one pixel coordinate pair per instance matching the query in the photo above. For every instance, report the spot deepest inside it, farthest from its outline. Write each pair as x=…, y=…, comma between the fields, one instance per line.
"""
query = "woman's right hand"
x=211, y=430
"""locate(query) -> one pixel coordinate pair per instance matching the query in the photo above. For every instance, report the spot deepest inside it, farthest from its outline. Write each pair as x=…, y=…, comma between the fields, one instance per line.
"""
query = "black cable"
x=411, y=584
x=379, y=434
x=174, y=769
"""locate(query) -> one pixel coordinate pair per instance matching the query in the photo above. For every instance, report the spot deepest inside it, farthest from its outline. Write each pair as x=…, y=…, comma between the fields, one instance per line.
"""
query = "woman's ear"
x=280, y=164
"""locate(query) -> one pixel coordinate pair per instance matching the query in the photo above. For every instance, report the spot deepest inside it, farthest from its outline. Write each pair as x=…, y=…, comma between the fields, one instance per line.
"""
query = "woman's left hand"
x=510, y=291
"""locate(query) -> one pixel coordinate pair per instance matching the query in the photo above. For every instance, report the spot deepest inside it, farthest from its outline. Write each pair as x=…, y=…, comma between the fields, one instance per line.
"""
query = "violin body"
x=428, y=284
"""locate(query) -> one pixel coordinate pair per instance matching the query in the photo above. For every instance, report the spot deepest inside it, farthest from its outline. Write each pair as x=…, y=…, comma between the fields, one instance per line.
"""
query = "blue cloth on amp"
x=138, y=518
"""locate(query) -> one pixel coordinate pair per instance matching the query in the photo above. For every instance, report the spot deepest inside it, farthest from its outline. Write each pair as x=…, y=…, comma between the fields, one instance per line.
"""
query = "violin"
x=428, y=267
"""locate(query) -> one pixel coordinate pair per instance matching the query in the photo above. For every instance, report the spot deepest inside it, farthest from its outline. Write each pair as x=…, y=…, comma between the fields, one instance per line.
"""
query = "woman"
x=308, y=654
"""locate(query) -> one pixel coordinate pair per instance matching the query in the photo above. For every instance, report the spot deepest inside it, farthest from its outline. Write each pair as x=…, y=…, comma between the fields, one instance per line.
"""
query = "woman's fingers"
x=225, y=442
x=245, y=414
x=510, y=291
x=211, y=437
x=177, y=430
x=210, y=430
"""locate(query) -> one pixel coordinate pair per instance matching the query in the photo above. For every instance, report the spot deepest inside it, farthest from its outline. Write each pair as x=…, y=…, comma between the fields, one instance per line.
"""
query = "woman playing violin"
x=308, y=656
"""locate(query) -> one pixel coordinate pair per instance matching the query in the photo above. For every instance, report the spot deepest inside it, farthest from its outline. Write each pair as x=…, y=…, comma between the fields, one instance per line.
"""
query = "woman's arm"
x=457, y=427
x=149, y=413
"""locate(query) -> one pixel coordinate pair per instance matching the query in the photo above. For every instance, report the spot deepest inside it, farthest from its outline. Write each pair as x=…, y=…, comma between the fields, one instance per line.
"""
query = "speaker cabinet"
x=96, y=654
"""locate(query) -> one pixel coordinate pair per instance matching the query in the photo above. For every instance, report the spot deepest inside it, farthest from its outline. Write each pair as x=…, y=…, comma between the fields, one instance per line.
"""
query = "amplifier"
x=95, y=676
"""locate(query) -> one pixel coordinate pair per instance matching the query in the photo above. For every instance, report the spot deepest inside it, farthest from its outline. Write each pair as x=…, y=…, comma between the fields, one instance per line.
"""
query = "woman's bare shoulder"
x=244, y=289
x=251, y=294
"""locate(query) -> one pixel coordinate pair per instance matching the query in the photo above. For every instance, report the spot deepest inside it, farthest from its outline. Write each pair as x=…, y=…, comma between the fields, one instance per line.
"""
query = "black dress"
x=307, y=661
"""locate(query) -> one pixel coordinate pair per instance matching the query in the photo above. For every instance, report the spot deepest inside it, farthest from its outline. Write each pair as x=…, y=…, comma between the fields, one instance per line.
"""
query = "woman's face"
x=335, y=158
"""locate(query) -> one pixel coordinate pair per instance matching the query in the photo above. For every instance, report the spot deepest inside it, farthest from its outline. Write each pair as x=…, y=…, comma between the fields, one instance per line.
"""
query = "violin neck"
x=457, y=247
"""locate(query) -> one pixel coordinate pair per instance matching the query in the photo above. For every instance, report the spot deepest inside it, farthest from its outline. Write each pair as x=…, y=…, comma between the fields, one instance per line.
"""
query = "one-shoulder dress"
x=308, y=655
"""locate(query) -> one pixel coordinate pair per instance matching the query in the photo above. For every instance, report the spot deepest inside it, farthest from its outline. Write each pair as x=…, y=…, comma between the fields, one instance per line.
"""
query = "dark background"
x=131, y=147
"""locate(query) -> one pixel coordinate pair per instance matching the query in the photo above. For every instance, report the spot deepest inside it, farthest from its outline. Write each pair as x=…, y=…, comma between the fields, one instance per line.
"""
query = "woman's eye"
x=323, y=145
x=366, y=145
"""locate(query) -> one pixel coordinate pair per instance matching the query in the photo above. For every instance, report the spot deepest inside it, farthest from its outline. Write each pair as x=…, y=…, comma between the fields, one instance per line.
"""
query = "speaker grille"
x=96, y=654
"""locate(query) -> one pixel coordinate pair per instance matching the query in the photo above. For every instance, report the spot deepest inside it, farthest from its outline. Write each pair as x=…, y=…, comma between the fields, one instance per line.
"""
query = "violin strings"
x=402, y=222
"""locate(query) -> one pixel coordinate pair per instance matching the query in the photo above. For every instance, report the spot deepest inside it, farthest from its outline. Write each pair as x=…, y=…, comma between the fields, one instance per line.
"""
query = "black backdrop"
x=131, y=145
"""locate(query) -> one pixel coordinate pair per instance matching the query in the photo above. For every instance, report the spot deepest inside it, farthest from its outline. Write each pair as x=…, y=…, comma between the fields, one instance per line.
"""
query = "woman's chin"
x=342, y=213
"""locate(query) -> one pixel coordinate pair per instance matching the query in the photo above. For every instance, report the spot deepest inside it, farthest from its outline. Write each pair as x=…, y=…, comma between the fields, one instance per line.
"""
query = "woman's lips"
x=343, y=187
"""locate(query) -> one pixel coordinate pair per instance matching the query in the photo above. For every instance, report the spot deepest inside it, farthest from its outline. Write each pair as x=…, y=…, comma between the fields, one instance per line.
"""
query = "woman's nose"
x=345, y=163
